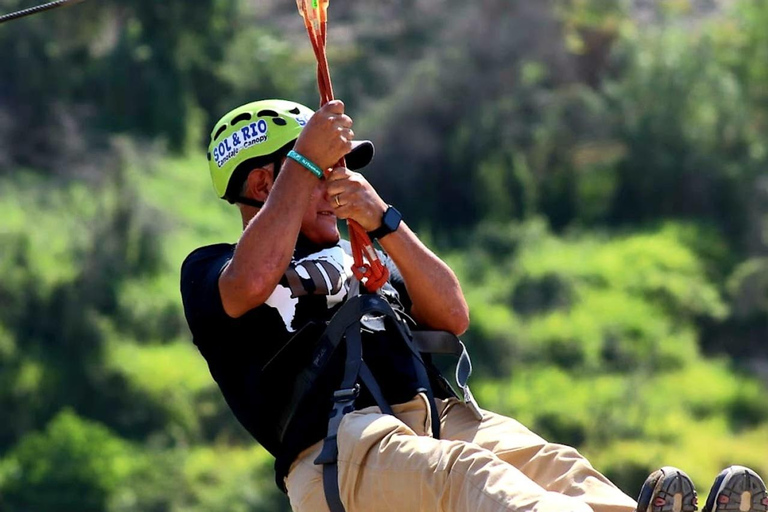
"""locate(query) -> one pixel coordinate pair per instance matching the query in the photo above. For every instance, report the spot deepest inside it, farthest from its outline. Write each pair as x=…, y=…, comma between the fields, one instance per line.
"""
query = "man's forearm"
x=435, y=292
x=268, y=241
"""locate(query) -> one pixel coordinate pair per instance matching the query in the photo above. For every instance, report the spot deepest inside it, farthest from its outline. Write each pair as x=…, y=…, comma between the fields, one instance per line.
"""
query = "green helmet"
x=253, y=134
x=257, y=134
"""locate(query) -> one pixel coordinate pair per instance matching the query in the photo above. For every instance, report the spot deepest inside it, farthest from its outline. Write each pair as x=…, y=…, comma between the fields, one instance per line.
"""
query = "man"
x=258, y=309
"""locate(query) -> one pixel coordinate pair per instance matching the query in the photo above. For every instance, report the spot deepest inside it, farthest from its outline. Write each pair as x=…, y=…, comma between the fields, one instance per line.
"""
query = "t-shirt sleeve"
x=200, y=288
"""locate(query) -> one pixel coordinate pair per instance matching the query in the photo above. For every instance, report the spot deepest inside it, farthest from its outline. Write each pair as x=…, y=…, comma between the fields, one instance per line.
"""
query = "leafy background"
x=594, y=170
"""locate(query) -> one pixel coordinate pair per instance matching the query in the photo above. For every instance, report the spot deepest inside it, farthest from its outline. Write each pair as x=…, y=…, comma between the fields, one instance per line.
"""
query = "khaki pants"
x=393, y=464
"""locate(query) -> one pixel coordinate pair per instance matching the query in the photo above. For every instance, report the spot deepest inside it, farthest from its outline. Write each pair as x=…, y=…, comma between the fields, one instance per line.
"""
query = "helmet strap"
x=253, y=202
x=278, y=163
x=248, y=201
x=244, y=169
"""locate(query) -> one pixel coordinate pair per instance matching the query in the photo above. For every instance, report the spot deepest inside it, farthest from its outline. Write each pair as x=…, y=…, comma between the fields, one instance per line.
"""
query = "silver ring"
x=336, y=198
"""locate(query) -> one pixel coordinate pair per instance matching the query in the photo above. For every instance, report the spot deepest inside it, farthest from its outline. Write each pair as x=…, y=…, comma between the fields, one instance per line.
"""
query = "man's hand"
x=352, y=197
x=327, y=137
x=436, y=296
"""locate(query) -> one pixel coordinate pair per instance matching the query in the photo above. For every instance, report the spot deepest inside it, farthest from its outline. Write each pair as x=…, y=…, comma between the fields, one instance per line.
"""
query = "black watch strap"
x=390, y=221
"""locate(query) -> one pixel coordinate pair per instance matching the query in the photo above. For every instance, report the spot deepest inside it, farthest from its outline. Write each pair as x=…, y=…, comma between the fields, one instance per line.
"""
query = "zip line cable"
x=37, y=9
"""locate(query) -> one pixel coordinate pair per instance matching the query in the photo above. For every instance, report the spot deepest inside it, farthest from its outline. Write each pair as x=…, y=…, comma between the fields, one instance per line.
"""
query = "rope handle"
x=368, y=268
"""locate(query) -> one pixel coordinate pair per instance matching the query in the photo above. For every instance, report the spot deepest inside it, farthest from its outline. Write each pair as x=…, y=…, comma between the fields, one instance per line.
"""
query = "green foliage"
x=703, y=417
x=170, y=381
x=690, y=149
x=74, y=465
x=218, y=478
x=78, y=465
x=593, y=169
x=599, y=409
x=120, y=68
x=588, y=302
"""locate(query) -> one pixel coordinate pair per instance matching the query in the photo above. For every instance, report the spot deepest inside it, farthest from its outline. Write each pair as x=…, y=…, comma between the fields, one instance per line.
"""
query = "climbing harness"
x=37, y=9
x=346, y=328
x=368, y=268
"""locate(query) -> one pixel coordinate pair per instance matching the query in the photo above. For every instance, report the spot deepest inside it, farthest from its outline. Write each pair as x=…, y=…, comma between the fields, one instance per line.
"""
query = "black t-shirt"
x=252, y=360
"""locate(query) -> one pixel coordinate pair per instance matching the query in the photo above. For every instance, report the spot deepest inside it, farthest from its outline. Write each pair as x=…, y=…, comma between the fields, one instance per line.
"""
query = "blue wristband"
x=306, y=162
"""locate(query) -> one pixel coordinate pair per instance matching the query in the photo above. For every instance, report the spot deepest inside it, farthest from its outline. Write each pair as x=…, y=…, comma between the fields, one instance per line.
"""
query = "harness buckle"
x=347, y=394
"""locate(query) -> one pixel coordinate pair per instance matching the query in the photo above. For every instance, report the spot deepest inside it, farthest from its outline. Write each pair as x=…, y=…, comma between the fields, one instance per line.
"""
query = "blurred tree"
x=57, y=328
x=106, y=67
x=73, y=466
x=586, y=303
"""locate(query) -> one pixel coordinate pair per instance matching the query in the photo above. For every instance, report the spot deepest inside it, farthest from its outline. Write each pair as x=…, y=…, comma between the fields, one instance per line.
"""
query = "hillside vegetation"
x=595, y=172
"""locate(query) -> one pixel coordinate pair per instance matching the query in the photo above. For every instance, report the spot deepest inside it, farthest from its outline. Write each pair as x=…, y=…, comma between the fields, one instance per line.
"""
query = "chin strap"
x=248, y=201
x=278, y=162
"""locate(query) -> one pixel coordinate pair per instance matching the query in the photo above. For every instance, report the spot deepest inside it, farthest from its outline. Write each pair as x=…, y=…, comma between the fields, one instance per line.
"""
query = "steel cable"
x=37, y=9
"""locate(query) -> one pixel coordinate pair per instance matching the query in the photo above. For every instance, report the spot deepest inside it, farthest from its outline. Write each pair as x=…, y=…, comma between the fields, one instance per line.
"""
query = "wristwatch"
x=390, y=221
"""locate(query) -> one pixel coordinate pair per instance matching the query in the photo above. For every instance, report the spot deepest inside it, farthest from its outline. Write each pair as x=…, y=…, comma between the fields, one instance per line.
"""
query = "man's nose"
x=321, y=190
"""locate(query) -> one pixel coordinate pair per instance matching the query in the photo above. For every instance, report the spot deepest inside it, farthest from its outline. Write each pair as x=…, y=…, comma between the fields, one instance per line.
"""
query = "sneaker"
x=738, y=489
x=667, y=490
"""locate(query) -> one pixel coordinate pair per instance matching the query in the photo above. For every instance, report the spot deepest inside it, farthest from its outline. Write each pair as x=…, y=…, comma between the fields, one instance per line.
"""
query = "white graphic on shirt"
x=325, y=272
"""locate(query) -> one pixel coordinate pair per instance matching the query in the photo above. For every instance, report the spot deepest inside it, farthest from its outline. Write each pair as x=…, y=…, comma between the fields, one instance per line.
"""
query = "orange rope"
x=368, y=268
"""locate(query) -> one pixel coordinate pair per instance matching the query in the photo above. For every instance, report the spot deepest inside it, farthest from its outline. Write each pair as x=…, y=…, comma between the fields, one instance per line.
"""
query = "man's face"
x=319, y=223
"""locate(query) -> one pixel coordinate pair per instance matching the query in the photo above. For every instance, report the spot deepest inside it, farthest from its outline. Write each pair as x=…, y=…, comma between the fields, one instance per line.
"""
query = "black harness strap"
x=441, y=342
x=331, y=487
x=374, y=389
x=349, y=316
x=343, y=402
x=346, y=326
x=423, y=378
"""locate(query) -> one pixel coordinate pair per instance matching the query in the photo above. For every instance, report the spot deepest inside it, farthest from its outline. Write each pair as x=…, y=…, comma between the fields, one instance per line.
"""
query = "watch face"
x=391, y=219
x=389, y=223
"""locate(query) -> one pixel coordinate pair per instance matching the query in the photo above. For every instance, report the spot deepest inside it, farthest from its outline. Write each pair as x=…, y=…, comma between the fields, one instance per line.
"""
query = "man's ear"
x=259, y=184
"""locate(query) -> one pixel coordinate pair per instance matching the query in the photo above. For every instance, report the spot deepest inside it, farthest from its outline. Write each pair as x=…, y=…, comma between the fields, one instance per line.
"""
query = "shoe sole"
x=675, y=493
x=742, y=490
